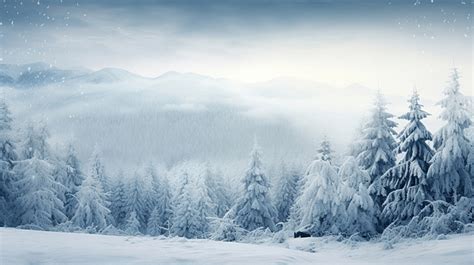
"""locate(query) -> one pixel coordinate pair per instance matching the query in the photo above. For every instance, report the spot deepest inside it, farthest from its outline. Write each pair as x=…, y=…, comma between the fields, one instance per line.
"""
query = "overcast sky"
x=378, y=43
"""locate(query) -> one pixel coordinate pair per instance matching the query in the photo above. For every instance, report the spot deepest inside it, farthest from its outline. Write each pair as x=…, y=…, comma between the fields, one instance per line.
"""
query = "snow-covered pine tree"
x=97, y=168
x=133, y=225
x=218, y=191
x=377, y=149
x=73, y=180
x=185, y=215
x=7, y=156
x=359, y=215
x=163, y=206
x=118, y=200
x=319, y=205
x=92, y=211
x=448, y=175
x=151, y=180
x=154, y=227
x=34, y=142
x=286, y=192
x=407, y=180
x=254, y=209
x=137, y=199
x=325, y=151
x=204, y=205
x=37, y=204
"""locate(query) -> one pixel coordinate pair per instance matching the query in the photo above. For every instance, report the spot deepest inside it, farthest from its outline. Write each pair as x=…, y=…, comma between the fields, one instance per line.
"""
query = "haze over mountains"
x=178, y=116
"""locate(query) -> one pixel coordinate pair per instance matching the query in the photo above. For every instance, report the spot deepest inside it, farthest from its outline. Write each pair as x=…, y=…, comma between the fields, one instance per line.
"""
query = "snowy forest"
x=223, y=132
x=393, y=183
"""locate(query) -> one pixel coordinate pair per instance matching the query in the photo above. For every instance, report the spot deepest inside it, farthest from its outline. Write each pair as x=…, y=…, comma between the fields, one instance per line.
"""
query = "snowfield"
x=37, y=247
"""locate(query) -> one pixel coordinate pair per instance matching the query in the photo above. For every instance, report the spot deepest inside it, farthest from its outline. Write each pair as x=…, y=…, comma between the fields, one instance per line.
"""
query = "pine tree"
x=73, y=180
x=185, y=215
x=448, y=175
x=204, y=205
x=376, y=148
x=92, y=211
x=319, y=205
x=137, y=199
x=37, y=203
x=97, y=168
x=286, y=193
x=325, y=151
x=154, y=227
x=218, y=191
x=164, y=208
x=407, y=180
x=34, y=142
x=254, y=209
x=360, y=213
x=7, y=156
x=133, y=225
x=118, y=201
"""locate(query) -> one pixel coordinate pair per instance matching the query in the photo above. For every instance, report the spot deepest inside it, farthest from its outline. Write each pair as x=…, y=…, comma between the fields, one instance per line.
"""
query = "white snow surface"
x=37, y=247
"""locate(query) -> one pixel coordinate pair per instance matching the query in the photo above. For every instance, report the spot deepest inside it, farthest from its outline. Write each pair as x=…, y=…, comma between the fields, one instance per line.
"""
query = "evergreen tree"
x=448, y=175
x=407, y=180
x=154, y=227
x=92, y=211
x=204, y=206
x=73, y=180
x=97, y=168
x=218, y=191
x=325, y=151
x=360, y=213
x=133, y=225
x=319, y=205
x=286, y=193
x=34, y=142
x=185, y=215
x=376, y=148
x=254, y=209
x=7, y=156
x=118, y=201
x=137, y=199
x=164, y=208
x=37, y=203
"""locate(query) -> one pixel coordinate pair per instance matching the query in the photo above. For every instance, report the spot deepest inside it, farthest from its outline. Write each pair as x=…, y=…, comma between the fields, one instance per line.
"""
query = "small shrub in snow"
x=225, y=229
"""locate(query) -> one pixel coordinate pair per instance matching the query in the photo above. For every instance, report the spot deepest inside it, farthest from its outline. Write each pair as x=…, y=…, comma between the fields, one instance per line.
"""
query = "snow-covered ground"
x=36, y=247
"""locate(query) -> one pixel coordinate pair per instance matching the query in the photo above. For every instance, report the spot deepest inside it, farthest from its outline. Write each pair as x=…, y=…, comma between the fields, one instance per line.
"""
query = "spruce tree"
x=137, y=199
x=218, y=191
x=37, y=203
x=133, y=225
x=7, y=156
x=163, y=206
x=254, y=209
x=97, y=168
x=118, y=201
x=154, y=227
x=92, y=210
x=377, y=149
x=73, y=180
x=286, y=193
x=407, y=180
x=319, y=205
x=325, y=151
x=185, y=215
x=448, y=175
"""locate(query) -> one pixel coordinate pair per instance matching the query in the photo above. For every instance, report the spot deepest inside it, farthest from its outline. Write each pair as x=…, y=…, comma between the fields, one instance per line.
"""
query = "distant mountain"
x=178, y=116
x=42, y=74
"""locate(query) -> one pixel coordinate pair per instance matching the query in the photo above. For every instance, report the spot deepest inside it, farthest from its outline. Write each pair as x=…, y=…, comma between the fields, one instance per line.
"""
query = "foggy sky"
x=393, y=45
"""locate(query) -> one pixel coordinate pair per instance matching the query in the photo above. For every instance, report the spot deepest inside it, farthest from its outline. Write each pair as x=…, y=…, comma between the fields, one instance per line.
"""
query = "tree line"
x=409, y=183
